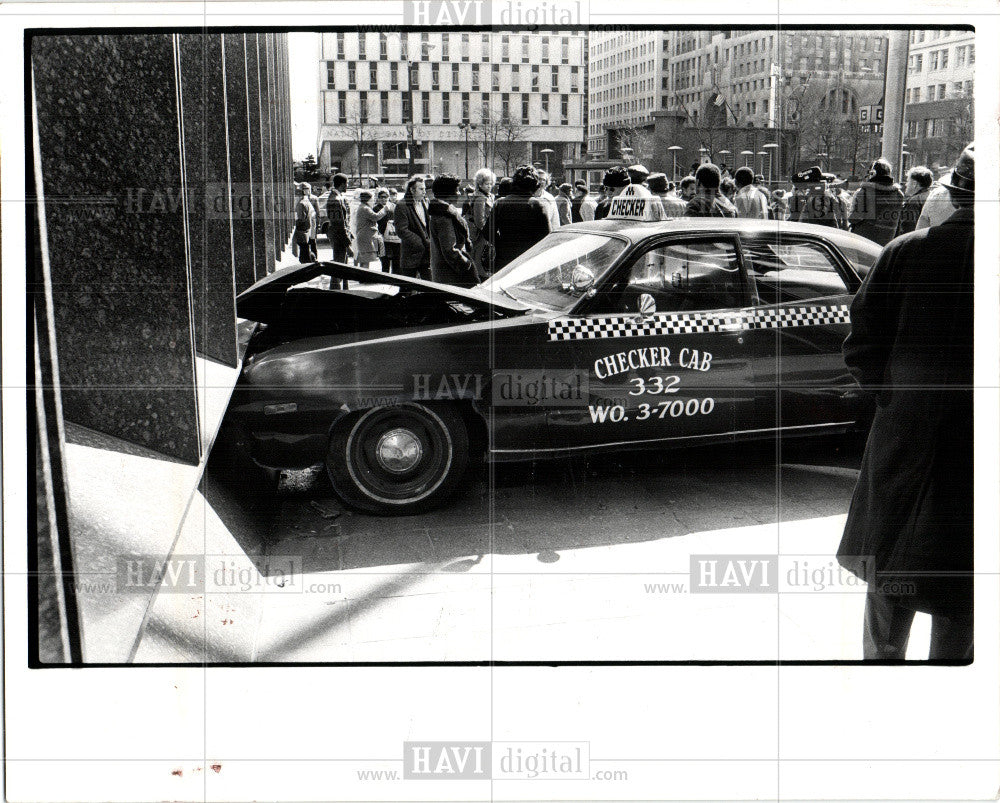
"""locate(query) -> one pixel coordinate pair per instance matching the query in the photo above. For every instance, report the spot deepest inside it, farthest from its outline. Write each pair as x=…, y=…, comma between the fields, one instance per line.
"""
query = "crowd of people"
x=440, y=230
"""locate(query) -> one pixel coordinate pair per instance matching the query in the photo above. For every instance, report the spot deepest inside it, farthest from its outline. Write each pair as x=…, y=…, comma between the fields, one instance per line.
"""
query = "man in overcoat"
x=909, y=529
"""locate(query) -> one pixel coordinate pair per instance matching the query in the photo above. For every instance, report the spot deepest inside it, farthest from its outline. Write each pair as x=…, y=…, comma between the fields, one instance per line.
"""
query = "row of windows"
x=916, y=37
x=965, y=55
x=938, y=127
x=475, y=74
x=457, y=47
x=371, y=109
x=959, y=89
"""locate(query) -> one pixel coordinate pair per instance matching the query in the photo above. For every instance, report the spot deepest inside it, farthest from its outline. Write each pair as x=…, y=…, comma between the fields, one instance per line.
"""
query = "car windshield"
x=542, y=276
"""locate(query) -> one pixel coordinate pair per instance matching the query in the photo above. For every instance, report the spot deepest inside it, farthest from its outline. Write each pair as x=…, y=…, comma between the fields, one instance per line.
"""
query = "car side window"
x=680, y=276
x=792, y=270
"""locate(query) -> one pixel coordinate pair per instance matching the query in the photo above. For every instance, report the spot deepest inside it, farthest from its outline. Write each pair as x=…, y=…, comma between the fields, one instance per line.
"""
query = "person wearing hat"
x=708, y=201
x=909, y=529
x=937, y=207
x=814, y=202
x=616, y=179
x=519, y=220
x=638, y=174
x=580, y=193
x=877, y=205
x=669, y=204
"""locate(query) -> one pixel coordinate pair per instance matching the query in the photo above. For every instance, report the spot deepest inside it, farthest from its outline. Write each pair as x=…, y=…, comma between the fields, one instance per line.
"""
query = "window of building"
x=425, y=108
x=505, y=107
x=564, y=109
x=972, y=54
x=485, y=47
x=393, y=75
x=352, y=76
x=967, y=88
x=534, y=76
x=373, y=75
x=330, y=74
x=361, y=47
x=916, y=94
x=454, y=76
x=959, y=56
x=383, y=101
x=505, y=48
x=934, y=60
x=403, y=47
x=341, y=108
x=363, y=107
x=942, y=92
x=565, y=50
x=465, y=47
x=435, y=77
x=407, y=108
x=944, y=59
x=446, y=109
x=465, y=107
x=340, y=46
x=383, y=47
x=515, y=79
x=524, y=109
x=545, y=49
x=545, y=109
x=495, y=78
x=475, y=77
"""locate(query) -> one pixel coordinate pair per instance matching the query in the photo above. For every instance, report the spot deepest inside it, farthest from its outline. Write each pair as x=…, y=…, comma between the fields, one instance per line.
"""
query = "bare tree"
x=639, y=139
x=510, y=143
x=359, y=131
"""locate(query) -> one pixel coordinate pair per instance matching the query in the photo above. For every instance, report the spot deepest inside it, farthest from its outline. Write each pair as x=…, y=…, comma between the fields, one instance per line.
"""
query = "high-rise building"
x=392, y=103
x=940, y=81
x=810, y=82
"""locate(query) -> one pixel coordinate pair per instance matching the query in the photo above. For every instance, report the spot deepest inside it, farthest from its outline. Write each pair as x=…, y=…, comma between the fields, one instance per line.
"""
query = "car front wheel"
x=399, y=459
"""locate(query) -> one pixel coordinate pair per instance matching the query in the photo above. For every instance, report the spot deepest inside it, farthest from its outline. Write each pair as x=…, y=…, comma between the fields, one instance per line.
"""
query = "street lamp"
x=770, y=147
x=724, y=153
x=545, y=152
x=745, y=154
x=466, y=127
x=674, y=149
x=363, y=157
x=761, y=154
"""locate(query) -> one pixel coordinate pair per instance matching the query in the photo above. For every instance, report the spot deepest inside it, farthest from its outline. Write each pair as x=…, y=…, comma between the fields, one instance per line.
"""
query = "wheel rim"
x=398, y=455
x=399, y=450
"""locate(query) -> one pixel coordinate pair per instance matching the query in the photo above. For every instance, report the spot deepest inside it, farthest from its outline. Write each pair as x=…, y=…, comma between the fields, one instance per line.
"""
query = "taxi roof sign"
x=635, y=202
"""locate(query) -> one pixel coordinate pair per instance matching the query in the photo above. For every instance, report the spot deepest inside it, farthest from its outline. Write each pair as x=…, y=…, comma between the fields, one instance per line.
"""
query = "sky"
x=303, y=67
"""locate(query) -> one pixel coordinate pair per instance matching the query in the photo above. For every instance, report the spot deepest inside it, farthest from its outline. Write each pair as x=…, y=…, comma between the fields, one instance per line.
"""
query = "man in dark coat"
x=708, y=201
x=918, y=187
x=519, y=220
x=411, y=221
x=878, y=204
x=909, y=528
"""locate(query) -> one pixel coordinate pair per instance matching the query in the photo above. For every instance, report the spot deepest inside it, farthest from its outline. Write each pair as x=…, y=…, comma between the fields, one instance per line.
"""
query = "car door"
x=803, y=292
x=660, y=347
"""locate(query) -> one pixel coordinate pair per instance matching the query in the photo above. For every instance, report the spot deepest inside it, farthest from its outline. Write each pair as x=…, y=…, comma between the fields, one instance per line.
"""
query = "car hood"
x=262, y=301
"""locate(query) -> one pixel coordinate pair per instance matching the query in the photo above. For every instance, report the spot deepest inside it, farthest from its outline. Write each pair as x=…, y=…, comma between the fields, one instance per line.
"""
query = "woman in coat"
x=451, y=250
x=366, y=221
x=482, y=206
x=909, y=529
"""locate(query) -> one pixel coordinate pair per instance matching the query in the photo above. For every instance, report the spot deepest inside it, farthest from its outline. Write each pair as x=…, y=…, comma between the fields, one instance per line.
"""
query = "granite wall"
x=155, y=156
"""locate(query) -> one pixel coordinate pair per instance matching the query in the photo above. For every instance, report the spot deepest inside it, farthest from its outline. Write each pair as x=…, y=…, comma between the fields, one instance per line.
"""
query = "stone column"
x=238, y=124
x=207, y=195
x=110, y=181
x=264, y=260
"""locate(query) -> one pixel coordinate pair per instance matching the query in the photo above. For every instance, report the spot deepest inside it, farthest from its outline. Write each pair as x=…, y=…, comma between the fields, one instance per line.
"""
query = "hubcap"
x=399, y=450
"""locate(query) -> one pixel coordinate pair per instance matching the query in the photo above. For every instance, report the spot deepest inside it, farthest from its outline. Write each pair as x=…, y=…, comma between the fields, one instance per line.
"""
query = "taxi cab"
x=617, y=334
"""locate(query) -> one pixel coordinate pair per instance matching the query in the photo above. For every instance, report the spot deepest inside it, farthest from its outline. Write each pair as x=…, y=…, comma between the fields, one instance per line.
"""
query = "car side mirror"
x=582, y=279
x=647, y=305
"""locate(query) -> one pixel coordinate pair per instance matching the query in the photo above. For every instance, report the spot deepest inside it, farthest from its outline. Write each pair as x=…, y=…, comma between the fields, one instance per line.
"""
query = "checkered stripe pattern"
x=695, y=323
x=783, y=317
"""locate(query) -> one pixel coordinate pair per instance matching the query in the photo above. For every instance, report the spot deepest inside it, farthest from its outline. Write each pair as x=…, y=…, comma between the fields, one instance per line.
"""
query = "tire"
x=398, y=460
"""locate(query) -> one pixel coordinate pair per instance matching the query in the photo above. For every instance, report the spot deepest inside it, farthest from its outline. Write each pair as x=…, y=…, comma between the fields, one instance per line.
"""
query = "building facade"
x=810, y=83
x=395, y=103
x=940, y=83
